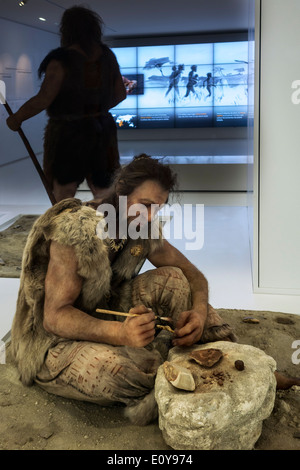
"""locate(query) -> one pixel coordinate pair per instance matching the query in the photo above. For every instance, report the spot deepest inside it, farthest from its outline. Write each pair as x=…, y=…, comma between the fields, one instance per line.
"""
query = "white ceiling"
x=123, y=18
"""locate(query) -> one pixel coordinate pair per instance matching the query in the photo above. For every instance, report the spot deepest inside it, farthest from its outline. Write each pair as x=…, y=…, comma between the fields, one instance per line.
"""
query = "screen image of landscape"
x=184, y=86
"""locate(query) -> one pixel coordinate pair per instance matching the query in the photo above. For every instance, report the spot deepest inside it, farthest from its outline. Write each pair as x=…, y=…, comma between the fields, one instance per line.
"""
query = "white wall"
x=277, y=162
x=21, y=51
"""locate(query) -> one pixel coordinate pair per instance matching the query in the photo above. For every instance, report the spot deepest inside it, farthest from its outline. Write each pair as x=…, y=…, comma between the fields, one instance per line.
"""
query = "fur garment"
x=72, y=224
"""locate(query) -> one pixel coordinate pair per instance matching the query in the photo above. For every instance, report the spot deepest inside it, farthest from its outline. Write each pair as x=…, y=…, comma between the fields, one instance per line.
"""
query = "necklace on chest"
x=136, y=250
x=116, y=246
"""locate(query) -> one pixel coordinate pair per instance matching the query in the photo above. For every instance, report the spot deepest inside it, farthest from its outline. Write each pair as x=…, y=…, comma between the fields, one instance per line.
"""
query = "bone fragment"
x=180, y=377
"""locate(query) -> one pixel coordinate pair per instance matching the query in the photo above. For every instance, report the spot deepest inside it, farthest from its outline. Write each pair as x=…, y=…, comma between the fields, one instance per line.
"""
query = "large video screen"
x=185, y=85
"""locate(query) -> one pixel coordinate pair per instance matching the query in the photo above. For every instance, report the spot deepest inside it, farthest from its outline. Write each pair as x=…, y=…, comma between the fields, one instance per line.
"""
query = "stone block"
x=229, y=404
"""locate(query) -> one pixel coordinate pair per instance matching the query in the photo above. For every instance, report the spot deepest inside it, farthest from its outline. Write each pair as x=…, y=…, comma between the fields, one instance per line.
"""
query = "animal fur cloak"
x=73, y=224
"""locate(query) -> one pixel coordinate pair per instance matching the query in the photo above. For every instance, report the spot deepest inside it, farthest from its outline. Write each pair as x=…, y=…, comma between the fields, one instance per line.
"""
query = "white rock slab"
x=228, y=406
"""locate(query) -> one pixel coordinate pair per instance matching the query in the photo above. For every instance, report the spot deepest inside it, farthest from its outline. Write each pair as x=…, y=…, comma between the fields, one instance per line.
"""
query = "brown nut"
x=239, y=365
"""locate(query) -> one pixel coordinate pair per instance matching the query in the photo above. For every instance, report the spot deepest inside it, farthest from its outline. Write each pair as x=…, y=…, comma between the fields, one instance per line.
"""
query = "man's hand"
x=138, y=331
x=190, y=325
x=189, y=328
x=13, y=123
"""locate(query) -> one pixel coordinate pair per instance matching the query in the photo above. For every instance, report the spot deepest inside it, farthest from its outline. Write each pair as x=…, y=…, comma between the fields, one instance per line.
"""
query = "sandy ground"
x=12, y=242
x=33, y=419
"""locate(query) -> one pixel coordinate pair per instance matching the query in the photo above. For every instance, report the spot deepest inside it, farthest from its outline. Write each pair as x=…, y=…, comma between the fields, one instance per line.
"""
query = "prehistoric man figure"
x=174, y=79
x=72, y=267
x=209, y=83
x=69, y=270
x=192, y=81
x=81, y=83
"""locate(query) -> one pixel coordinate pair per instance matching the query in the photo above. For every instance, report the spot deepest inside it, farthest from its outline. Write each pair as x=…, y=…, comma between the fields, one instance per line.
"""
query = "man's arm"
x=49, y=90
x=62, y=288
x=190, y=325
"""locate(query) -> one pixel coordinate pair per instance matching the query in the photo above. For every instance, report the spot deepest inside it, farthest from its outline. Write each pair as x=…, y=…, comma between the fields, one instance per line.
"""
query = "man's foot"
x=284, y=383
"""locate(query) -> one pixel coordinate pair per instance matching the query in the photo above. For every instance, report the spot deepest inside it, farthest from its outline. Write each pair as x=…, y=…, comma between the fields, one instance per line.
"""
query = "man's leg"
x=98, y=193
x=107, y=374
x=99, y=373
x=167, y=291
x=64, y=191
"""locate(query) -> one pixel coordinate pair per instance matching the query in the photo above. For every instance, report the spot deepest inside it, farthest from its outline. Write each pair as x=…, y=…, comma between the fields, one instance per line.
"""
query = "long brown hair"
x=129, y=177
x=140, y=169
x=80, y=25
